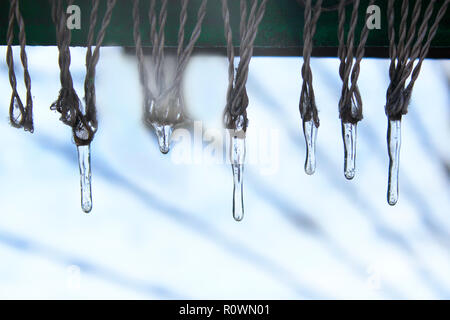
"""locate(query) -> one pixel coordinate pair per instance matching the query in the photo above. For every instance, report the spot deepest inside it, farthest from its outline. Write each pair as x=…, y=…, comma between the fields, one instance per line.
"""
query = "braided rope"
x=89, y=118
x=25, y=117
x=157, y=26
x=330, y=8
x=350, y=103
x=82, y=120
x=410, y=47
x=308, y=108
x=235, y=115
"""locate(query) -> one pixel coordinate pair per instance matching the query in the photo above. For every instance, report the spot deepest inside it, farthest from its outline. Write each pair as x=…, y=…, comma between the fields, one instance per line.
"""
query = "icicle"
x=84, y=162
x=310, y=132
x=164, y=133
x=237, y=158
x=394, y=143
x=349, y=137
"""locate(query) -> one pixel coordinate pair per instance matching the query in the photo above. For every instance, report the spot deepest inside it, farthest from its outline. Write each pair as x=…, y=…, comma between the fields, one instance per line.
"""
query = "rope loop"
x=235, y=114
x=163, y=104
x=82, y=119
x=308, y=108
x=413, y=44
x=350, y=103
x=20, y=116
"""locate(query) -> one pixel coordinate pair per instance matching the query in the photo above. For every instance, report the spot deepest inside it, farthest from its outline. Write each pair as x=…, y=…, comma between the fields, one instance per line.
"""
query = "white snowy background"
x=161, y=230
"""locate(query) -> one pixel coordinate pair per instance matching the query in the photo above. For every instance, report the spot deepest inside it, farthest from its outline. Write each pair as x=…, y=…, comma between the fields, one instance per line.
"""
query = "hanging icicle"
x=412, y=44
x=82, y=119
x=308, y=108
x=350, y=103
x=235, y=114
x=20, y=116
x=163, y=104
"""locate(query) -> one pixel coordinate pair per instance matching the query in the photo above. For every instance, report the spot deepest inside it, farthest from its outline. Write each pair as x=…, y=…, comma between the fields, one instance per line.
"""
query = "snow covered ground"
x=161, y=229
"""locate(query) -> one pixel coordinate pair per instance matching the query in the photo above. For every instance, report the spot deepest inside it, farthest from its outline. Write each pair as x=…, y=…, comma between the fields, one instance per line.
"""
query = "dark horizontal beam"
x=280, y=32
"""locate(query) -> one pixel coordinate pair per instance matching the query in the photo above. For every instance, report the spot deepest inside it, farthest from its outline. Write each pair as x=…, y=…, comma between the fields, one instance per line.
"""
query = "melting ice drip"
x=349, y=137
x=164, y=133
x=310, y=132
x=237, y=158
x=394, y=142
x=84, y=162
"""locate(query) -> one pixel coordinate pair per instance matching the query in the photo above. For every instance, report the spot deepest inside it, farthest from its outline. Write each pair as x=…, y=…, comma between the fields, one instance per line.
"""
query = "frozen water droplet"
x=164, y=133
x=84, y=162
x=310, y=132
x=349, y=137
x=237, y=158
x=394, y=143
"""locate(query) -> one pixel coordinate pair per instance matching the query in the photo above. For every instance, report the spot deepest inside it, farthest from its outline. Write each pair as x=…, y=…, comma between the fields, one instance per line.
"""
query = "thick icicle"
x=164, y=133
x=394, y=143
x=310, y=132
x=237, y=158
x=84, y=162
x=349, y=137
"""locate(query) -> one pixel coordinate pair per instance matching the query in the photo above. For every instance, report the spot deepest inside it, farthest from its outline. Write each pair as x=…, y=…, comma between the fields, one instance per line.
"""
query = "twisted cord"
x=140, y=54
x=89, y=118
x=157, y=26
x=184, y=54
x=25, y=118
x=308, y=108
x=350, y=104
x=404, y=54
x=82, y=122
x=157, y=39
x=235, y=115
x=68, y=103
x=327, y=9
x=246, y=51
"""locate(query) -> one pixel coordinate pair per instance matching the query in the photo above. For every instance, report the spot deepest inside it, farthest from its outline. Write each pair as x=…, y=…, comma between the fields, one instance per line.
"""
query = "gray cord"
x=157, y=26
x=409, y=47
x=25, y=119
x=83, y=122
x=235, y=115
x=350, y=103
x=308, y=108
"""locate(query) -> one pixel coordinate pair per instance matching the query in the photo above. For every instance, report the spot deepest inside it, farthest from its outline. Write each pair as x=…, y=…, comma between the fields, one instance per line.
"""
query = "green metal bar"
x=280, y=32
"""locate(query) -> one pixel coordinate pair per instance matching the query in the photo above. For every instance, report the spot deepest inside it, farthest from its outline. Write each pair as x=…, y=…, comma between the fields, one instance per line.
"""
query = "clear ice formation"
x=310, y=132
x=164, y=134
x=84, y=162
x=394, y=142
x=349, y=138
x=237, y=158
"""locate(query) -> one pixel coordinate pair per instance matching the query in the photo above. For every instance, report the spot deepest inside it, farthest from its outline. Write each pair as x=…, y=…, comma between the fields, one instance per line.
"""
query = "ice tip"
x=310, y=169
x=164, y=133
x=392, y=201
x=310, y=133
x=350, y=174
x=86, y=207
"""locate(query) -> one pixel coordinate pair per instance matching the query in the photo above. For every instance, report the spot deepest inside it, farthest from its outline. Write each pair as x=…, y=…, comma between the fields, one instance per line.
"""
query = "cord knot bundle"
x=308, y=108
x=350, y=103
x=235, y=114
x=412, y=44
x=82, y=119
x=20, y=116
x=163, y=103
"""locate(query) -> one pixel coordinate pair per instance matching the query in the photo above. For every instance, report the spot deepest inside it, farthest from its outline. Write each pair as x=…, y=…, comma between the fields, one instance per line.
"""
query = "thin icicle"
x=310, y=132
x=84, y=162
x=237, y=158
x=349, y=138
x=164, y=134
x=394, y=142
